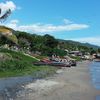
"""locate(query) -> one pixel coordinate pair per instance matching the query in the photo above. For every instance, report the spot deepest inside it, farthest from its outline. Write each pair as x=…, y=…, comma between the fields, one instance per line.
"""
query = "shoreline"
x=73, y=83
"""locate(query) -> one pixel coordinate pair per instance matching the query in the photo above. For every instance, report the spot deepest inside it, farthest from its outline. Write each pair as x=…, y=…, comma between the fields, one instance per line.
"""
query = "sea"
x=95, y=75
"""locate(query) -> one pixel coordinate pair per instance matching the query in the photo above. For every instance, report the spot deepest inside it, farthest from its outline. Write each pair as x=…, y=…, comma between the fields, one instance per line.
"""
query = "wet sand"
x=69, y=84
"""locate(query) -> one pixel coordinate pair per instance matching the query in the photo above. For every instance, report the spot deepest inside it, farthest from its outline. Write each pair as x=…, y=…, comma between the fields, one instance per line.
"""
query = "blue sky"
x=65, y=19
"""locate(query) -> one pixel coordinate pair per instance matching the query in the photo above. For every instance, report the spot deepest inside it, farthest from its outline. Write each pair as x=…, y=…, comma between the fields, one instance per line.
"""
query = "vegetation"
x=98, y=50
x=6, y=34
x=16, y=64
x=45, y=45
x=48, y=45
x=77, y=58
x=13, y=39
x=4, y=29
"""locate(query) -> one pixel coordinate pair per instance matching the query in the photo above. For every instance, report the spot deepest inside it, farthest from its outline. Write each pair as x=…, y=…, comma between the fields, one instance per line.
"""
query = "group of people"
x=58, y=59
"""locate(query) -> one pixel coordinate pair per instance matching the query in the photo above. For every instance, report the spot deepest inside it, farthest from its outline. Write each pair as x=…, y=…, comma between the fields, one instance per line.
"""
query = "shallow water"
x=95, y=74
x=15, y=81
x=11, y=82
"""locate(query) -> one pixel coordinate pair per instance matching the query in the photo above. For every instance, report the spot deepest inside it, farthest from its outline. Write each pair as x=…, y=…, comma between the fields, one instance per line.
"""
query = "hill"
x=8, y=33
x=45, y=45
x=79, y=43
x=91, y=45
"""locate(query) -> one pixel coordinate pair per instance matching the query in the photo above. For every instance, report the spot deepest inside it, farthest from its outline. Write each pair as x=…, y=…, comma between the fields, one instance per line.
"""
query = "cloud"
x=51, y=28
x=13, y=24
x=8, y=5
x=45, y=28
x=67, y=21
x=92, y=40
x=15, y=21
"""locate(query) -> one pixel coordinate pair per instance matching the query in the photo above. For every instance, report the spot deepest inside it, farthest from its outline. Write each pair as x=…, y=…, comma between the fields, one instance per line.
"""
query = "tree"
x=98, y=50
x=59, y=52
x=92, y=51
x=50, y=41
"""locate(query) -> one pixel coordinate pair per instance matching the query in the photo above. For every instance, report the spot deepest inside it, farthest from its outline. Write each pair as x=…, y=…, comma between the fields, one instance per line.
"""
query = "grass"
x=18, y=64
x=4, y=30
x=35, y=72
x=77, y=58
x=18, y=55
x=41, y=57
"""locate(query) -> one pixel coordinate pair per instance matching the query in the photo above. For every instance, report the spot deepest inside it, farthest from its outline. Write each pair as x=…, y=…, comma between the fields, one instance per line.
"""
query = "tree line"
x=45, y=44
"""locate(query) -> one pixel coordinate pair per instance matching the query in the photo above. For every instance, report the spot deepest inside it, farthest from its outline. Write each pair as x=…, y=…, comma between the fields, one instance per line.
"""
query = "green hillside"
x=17, y=64
x=46, y=45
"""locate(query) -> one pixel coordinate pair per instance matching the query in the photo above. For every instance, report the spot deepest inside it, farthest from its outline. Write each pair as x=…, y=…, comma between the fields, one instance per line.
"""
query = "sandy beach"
x=68, y=84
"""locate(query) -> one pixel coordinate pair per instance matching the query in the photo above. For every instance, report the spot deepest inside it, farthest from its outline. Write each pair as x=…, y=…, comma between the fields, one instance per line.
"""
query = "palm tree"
x=5, y=31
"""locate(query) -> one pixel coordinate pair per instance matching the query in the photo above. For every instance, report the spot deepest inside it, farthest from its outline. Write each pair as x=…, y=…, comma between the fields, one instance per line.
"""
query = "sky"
x=77, y=20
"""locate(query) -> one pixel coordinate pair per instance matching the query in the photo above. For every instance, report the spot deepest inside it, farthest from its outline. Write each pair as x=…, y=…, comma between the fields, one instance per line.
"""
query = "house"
x=75, y=53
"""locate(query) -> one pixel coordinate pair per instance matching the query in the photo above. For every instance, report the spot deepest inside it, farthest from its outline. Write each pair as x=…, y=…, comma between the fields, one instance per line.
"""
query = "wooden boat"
x=52, y=63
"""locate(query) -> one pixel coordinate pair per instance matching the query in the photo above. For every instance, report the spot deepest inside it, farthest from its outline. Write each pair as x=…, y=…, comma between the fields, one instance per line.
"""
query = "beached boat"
x=96, y=60
x=52, y=63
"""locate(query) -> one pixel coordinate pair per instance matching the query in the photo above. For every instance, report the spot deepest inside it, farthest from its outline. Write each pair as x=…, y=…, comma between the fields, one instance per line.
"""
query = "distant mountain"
x=79, y=43
x=90, y=45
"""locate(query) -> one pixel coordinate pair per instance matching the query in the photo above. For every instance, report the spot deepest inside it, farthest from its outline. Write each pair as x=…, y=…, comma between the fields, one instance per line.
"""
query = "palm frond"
x=0, y=10
x=4, y=16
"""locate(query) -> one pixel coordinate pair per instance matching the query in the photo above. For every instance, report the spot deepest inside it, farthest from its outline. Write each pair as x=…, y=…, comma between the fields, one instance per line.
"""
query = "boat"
x=96, y=60
x=52, y=63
